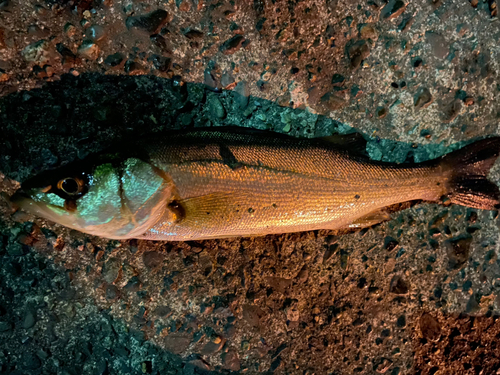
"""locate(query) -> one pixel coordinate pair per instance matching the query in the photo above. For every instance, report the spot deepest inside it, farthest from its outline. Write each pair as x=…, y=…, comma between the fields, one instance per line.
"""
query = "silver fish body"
x=214, y=183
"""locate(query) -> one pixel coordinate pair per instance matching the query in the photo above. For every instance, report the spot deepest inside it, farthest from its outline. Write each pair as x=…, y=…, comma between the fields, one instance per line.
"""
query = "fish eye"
x=70, y=186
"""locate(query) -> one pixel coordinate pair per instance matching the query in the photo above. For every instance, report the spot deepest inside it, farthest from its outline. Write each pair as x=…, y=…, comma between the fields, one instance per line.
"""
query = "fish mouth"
x=24, y=200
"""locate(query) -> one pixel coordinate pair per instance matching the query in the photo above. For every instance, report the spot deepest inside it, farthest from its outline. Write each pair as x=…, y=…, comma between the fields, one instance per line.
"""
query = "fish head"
x=109, y=196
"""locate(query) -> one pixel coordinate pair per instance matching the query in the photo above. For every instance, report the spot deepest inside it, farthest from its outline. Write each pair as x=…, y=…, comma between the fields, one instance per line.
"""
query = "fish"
x=210, y=183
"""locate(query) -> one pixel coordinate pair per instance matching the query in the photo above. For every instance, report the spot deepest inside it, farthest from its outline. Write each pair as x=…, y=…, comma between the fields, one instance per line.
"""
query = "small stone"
x=468, y=101
x=177, y=342
x=38, y=32
x=382, y=112
x=303, y=275
x=111, y=269
x=114, y=59
x=133, y=68
x=398, y=285
x=458, y=251
x=429, y=327
x=152, y=259
x=70, y=29
x=452, y=110
x=253, y=315
x=162, y=311
x=368, y=32
x=89, y=50
x=215, y=107
x=241, y=95
x=216, y=339
x=163, y=64
x=393, y=9
x=231, y=361
x=332, y=102
x=162, y=44
x=29, y=320
x=357, y=52
x=36, y=52
x=422, y=98
x=95, y=33
x=5, y=326
x=112, y=292
x=211, y=348
x=68, y=57
x=227, y=80
x=193, y=34
x=438, y=44
x=232, y=45
x=151, y=22
x=338, y=79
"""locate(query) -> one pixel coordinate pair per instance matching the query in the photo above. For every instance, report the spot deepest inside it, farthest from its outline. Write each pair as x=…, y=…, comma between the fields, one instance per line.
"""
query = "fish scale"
x=214, y=183
x=311, y=186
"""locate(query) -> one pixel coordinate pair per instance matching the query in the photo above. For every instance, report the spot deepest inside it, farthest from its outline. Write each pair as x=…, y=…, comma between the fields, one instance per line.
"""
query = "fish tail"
x=468, y=183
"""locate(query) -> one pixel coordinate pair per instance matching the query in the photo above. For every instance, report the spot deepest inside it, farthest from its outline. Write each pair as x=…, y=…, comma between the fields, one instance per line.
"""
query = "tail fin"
x=469, y=168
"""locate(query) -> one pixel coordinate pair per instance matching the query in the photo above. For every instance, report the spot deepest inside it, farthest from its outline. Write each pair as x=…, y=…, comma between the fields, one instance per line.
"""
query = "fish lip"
x=19, y=198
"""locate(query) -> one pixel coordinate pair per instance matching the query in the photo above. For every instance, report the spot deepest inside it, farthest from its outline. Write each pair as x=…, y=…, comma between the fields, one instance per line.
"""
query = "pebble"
x=162, y=44
x=112, y=292
x=337, y=79
x=398, y=285
x=70, y=29
x=332, y=102
x=36, y=51
x=193, y=34
x=241, y=95
x=177, y=342
x=5, y=326
x=458, y=251
x=452, y=110
x=68, y=57
x=89, y=50
x=29, y=320
x=423, y=98
x=368, y=32
x=357, y=52
x=438, y=44
x=215, y=107
x=393, y=9
x=253, y=314
x=211, y=348
x=95, y=33
x=429, y=327
x=231, y=361
x=114, y=59
x=152, y=259
x=151, y=22
x=232, y=45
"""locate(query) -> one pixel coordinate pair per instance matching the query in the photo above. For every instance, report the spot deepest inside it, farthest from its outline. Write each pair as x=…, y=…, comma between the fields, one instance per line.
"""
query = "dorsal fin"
x=353, y=142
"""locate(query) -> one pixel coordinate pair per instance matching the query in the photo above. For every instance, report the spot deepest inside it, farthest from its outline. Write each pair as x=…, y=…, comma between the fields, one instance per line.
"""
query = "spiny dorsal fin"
x=354, y=142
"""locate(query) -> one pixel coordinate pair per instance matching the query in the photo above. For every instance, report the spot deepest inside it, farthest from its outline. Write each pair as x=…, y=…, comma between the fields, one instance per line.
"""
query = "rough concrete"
x=416, y=295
